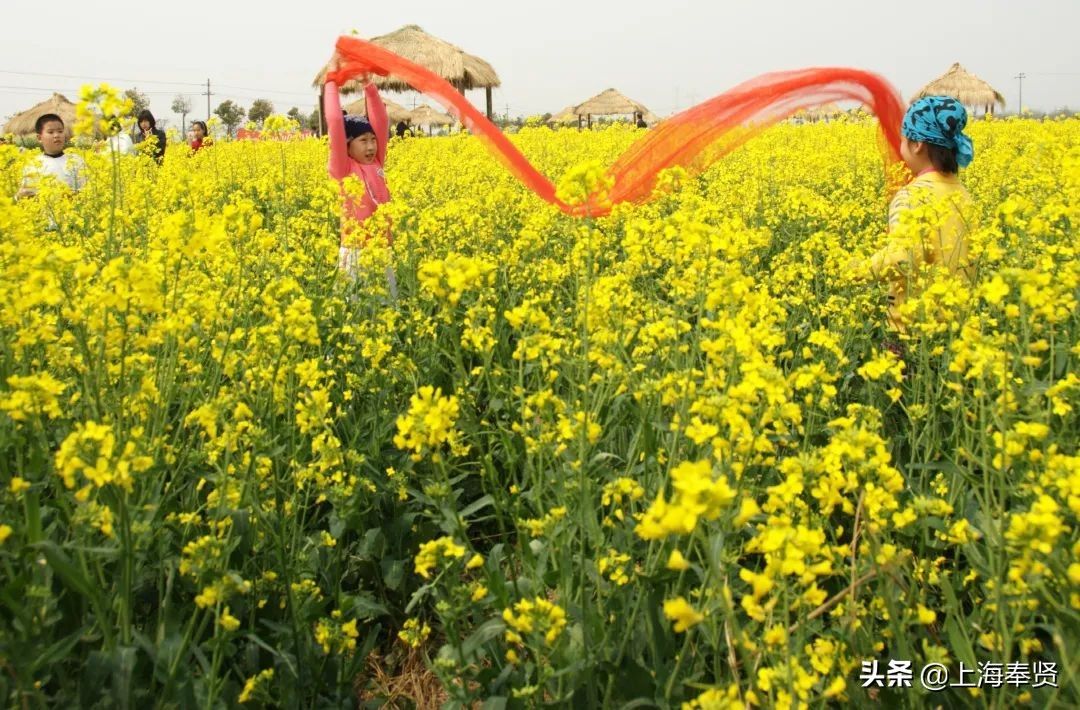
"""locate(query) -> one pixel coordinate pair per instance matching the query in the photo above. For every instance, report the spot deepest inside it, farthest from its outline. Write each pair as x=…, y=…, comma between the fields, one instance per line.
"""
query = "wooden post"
x=461, y=126
x=322, y=111
x=590, y=121
x=487, y=93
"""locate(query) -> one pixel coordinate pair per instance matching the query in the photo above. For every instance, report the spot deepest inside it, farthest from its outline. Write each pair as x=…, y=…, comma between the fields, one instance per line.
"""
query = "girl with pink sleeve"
x=357, y=147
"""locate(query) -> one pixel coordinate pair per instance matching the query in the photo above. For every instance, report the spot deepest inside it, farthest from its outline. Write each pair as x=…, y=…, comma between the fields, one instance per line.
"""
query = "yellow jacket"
x=929, y=222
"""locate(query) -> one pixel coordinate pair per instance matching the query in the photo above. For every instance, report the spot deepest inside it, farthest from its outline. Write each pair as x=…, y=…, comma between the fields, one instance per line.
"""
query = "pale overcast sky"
x=549, y=54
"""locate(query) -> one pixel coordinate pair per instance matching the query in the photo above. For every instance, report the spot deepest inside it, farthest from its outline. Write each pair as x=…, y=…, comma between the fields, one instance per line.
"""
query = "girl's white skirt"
x=349, y=262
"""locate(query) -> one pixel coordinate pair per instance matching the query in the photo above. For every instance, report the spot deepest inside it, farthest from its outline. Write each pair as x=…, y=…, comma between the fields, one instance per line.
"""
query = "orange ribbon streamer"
x=692, y=139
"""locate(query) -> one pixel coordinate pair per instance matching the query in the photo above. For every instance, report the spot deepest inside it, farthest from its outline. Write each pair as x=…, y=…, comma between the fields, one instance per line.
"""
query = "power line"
x=69, y=90
x=268, y=91
x=255, y=92
x=35, y=89
x=97, y=78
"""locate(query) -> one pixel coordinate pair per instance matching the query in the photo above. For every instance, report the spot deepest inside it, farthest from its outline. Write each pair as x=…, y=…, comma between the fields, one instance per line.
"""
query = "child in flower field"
x=68, y=168
x=933, y=146
x=357, y=148
x=200, y=136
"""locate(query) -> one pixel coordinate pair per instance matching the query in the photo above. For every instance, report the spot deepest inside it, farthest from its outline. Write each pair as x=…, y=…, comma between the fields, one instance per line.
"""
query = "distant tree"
x=314, y=120
x=294, y=114
x=182, y=105
x=260, y=110
x=139, y=100
x=230, y=114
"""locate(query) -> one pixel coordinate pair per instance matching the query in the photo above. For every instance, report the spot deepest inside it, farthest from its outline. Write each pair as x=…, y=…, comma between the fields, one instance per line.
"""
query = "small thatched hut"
x=610, y=103
x=464, y=71
x=564, y=117
x=22, y=124
x=965, y=87
x=424, y=115
x=395, y=112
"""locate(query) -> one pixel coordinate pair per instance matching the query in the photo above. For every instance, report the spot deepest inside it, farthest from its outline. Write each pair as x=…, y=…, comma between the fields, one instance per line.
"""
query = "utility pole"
x=207, y=99
x=1020, y=79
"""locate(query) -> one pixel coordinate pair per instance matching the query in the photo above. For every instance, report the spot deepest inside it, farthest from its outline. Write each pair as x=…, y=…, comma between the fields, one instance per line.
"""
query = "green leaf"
x=123, y=662
x=487, y=631
x=958, y=643
x=33, y=517
x=418, y=596
x=639, y=703
x=337, y=527
x=364, y=607
x=71, y=575
x=476, y=506
x=393, y=573
x=372, y=545
x=56, y=652
x=497, y=702
x=635, y=681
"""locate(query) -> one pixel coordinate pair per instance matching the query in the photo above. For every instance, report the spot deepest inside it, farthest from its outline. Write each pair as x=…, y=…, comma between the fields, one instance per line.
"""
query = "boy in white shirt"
x=68, y=168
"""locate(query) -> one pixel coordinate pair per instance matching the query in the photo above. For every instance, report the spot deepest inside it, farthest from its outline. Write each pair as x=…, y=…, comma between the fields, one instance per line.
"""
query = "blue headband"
x=940, y=120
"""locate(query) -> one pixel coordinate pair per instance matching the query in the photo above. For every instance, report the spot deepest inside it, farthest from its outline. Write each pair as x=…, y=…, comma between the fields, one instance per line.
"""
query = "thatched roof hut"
x=564, y=117
x=22, y=124
x=965, y=87
x=464, y=71
x=424, y=115
x=611, y=102
x=395, y=112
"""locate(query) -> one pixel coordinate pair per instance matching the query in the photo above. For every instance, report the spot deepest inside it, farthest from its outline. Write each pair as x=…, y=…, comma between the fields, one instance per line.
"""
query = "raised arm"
x=380, y=123
x=335, y=125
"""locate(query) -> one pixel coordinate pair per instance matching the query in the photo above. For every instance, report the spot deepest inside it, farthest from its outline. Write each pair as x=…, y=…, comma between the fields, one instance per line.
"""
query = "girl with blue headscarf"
x=934, y=147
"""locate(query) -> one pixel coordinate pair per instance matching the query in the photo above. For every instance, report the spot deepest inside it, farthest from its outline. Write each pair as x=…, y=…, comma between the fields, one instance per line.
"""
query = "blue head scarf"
x=940, y=120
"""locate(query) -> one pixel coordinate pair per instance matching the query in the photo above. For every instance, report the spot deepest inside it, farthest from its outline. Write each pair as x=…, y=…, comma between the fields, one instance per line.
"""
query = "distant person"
x=639, y=121
x=200, y=136
x=68, y=168
x=119, y=142
x=403, y=130
x=148, y=129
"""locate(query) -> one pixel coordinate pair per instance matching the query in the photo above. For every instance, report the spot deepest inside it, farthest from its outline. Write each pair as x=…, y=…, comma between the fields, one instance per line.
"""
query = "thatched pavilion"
x=965, y=87
x=424, y=115
x=22, y=124
x=395, y=112
x=611, y=103
x=463, y=70
x=565, y=117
